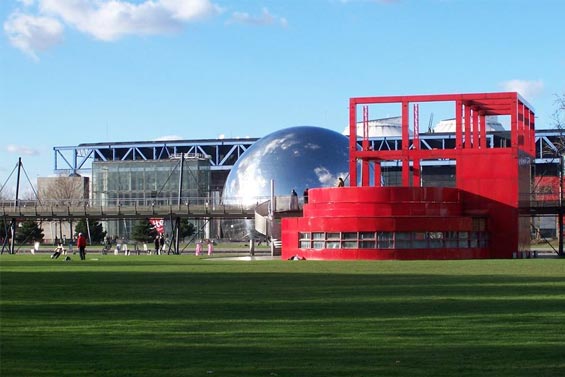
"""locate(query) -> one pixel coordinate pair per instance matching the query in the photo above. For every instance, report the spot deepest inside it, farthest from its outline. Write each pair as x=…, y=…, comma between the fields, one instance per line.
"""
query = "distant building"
x=149, y=182
x=448, y=125
x=384, y=127
x=61, y=190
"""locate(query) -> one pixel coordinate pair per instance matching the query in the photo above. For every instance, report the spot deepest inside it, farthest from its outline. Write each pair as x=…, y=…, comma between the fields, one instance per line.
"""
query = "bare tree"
x=559, y=123
x=559, y=114
x=548, y=180
x=7, y=193
x=63, y=190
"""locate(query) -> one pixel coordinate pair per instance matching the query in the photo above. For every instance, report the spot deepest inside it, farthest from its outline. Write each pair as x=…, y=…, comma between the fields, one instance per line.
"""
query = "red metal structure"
x=478, y=218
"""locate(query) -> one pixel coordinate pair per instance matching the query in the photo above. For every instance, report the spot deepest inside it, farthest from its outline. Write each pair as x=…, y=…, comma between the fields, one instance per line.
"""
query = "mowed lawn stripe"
x=188, y=316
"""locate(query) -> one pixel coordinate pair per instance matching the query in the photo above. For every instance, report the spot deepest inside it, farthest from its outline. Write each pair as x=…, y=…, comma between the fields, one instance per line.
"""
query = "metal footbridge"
x=27, y=210
x=194, y=208
x=191, y=208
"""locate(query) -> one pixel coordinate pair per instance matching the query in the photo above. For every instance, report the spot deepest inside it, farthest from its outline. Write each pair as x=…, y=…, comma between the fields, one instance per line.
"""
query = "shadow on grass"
x=185, y=323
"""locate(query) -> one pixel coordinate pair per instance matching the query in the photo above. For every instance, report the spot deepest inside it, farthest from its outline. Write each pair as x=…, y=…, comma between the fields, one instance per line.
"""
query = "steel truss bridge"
x=224, y=153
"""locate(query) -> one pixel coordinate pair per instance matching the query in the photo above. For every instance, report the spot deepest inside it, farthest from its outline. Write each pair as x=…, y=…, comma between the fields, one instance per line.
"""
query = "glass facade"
x=143, y=183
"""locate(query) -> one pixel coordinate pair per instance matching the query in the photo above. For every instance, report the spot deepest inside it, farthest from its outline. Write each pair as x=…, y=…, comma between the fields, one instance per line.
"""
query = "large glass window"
x=349, y=240
x=463, y=239
x=367, y=240
x=389, y=240
x=403, y=240
x=304, y=241
x=333, y=240
x=435, y=240
x=451, y=239
x=420, y=240
x=385, y=240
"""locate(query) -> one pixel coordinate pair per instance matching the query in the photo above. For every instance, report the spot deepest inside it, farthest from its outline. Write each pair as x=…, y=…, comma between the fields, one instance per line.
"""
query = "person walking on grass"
x=81, y=244
x=157, y=243
x=161, y=244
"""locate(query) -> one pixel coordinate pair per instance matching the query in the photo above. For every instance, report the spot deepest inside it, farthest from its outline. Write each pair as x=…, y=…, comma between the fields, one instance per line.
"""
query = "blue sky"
x=76, y=71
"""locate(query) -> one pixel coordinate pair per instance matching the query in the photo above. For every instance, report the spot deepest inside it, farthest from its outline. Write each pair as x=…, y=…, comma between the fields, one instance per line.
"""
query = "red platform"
x=479, y=218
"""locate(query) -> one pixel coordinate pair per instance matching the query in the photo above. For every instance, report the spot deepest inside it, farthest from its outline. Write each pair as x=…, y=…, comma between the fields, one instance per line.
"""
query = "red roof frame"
x=470, y=121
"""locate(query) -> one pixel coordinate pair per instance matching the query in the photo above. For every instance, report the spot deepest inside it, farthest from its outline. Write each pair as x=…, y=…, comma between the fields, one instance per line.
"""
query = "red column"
x=521, y=125
x=405, y=145
x=458, y=125
x=377, y=174
x=476, y=129
x=416, y=168
x=467, y=125
x=514, y=124
x=352, y=142
x=483, y=120
x=531, y=118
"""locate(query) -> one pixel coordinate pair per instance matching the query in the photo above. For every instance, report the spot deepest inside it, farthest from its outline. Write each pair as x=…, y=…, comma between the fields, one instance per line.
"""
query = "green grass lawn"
x=185, y=316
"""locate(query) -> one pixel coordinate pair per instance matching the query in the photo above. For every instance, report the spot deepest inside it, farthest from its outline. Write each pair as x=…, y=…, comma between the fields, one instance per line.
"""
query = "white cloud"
x=21, y=150
x=169, y=138
x=111, y=20
x=526, y=88
x=264, y=19
x=27, y=3
x=31, y=34
x=188, y=10
x=41, y=25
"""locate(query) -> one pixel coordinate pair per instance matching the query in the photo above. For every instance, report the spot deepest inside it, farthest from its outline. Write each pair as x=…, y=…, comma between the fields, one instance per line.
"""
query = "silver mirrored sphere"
x=294, y=158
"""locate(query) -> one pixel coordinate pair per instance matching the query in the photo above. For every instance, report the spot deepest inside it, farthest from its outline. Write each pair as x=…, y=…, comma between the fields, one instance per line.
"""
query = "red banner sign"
x=158, y=225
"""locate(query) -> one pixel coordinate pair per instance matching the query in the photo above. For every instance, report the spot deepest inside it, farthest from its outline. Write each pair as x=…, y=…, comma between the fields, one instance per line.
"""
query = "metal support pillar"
x=176, y=249
x=561, y=211
x=251, y=246
x=14, y=220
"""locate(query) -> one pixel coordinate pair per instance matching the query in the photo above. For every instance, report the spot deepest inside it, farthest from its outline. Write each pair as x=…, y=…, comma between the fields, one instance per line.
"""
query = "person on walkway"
x=293, y=200
x=305, y=195
x=81, y=244
x=340, y=182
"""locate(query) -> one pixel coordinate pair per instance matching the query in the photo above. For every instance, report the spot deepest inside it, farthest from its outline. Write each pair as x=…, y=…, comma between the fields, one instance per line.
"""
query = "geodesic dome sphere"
x=295, y=158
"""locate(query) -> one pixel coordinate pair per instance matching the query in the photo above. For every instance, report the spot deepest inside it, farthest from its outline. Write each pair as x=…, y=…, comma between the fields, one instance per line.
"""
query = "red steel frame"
x=491, y=185
x=471, y=111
